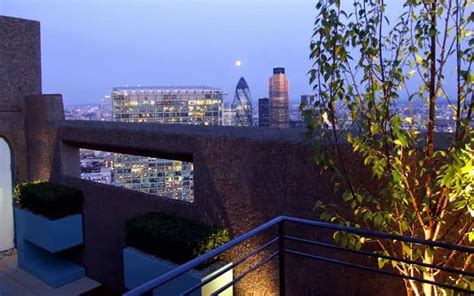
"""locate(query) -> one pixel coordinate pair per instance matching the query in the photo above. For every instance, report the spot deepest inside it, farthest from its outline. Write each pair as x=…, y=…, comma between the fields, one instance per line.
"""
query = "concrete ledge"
x=247, y=134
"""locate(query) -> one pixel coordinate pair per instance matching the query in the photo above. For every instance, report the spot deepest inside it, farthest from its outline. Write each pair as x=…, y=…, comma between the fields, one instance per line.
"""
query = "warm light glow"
x=6, y=210
x=219, y=282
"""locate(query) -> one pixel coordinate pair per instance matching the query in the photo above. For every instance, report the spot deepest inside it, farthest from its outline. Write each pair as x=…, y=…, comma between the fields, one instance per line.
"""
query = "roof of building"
x=279, y=70
x=167, y=88
x=242, y=84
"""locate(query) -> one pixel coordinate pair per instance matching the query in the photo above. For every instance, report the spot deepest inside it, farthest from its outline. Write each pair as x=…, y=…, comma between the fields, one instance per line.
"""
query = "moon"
x=238, y=63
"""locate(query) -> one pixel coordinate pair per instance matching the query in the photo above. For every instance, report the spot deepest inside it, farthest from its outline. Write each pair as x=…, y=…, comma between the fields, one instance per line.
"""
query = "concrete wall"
x=243, y=177
x=20, y=75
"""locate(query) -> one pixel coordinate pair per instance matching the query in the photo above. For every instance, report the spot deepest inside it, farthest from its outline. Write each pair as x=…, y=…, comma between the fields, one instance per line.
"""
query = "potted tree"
x=158, y=243
x=369, y=67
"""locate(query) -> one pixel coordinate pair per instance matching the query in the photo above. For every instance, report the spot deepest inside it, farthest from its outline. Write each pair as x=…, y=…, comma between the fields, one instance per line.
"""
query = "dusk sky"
x=90, y=46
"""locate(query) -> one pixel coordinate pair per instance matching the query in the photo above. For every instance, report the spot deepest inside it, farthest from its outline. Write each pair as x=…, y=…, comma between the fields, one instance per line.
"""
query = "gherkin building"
x=242, y=104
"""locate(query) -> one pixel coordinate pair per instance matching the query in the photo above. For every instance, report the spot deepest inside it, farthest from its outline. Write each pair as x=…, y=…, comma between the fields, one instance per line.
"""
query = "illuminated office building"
x=168, y=105
x=278, y=86
x=228, y=115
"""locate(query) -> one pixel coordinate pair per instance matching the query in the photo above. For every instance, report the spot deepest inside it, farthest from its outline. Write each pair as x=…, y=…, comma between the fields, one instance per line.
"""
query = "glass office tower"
x=168, y=105
x=242, y=104
x=263, y=112
x=278, y=85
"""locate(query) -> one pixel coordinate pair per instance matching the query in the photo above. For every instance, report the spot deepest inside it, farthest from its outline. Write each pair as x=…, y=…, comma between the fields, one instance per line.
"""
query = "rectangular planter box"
x=48, y=267
x=51, y=235
x=38, y=239
x=140, y=268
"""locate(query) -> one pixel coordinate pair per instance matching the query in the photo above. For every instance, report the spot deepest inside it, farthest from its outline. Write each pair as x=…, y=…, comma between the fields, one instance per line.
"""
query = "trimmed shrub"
x=47, y=199
x=176, y=239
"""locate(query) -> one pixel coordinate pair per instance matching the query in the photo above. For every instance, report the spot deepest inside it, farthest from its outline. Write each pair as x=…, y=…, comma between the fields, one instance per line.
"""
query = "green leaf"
x=325, y=216
x=378, y=219
x=381, y=262
x=419, y=59
x=406, y=249
x=356, y=243
x=398, y=142
x=470, y=78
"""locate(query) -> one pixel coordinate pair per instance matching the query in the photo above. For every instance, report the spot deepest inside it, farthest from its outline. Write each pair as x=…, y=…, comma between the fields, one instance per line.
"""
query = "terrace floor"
x=17, y=282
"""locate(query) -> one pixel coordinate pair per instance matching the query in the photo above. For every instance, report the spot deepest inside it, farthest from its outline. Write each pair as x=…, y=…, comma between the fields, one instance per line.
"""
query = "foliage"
x=363, y=63
x=50, y=200
x=176, y=239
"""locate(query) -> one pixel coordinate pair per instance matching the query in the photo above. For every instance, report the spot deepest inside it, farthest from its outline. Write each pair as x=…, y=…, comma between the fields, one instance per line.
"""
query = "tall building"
x=176, y=105
x=105, y=108
x=263, y=112
x=228, y=115
x=278, y=86
x=242, y=104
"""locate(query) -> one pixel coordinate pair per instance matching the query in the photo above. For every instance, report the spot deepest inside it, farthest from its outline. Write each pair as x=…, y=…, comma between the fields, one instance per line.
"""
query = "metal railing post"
x=281, y=258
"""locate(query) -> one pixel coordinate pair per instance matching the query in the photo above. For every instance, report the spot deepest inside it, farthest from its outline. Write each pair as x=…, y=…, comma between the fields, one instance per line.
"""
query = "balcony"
x=243, y=178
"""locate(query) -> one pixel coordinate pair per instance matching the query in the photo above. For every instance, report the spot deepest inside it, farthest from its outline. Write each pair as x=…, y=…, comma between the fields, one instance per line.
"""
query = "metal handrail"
x=385, y=272
x=169, y=276
x=380, y=234
x=376, y=255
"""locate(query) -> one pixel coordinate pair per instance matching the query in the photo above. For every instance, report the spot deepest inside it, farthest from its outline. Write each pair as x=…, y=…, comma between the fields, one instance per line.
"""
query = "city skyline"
x=162, y=51
x=165, y=44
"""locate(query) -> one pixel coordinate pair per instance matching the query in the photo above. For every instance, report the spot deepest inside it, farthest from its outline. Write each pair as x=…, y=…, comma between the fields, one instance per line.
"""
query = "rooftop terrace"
x=243, y=178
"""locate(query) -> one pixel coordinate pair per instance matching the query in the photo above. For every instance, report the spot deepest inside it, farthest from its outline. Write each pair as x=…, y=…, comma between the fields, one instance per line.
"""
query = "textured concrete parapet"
x=20, y=76
x=243, y=177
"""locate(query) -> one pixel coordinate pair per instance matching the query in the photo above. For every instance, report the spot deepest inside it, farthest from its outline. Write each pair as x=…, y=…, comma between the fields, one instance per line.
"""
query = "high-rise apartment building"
x=173, y=105
x=242, y=104
x=263, y=112
x=278, y=86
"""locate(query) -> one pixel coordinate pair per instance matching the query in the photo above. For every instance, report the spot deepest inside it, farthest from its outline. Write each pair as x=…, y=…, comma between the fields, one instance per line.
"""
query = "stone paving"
x=17, y=282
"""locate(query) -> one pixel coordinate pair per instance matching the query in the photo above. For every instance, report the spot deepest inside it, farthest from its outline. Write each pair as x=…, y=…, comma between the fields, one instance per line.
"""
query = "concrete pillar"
x=41, y=113
x=20, y=76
